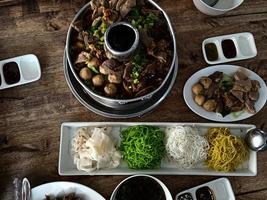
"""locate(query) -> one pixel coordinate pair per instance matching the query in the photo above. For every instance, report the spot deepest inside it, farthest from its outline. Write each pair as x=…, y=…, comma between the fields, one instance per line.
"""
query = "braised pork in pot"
x=144, y=72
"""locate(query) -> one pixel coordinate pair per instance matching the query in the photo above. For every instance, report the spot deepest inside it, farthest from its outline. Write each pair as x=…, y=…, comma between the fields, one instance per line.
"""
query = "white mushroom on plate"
x=199, y=99
x=197, y=89
x=210, y=105
x=206, y=82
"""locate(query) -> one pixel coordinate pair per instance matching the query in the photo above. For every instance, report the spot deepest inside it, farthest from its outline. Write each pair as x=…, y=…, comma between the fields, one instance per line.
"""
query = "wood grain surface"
x=8, y=2
x=31, y=115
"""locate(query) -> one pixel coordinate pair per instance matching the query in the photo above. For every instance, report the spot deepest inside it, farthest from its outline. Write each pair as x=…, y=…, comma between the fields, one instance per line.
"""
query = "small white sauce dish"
x=220, y=8
x=244, y=44
x=27, y=68
x=221, y=189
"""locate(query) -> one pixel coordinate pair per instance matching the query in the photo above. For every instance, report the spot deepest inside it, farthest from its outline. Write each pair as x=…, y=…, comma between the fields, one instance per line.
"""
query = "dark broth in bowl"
x=141, y=188
x=121, y=38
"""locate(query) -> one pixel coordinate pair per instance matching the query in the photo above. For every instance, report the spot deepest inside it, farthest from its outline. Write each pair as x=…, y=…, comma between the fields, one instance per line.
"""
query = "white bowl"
x=220, y=8
x=163, y=186
x=61, y=188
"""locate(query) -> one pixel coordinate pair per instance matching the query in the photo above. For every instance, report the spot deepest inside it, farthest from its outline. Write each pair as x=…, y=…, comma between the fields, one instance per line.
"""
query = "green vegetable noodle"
x=142, y=146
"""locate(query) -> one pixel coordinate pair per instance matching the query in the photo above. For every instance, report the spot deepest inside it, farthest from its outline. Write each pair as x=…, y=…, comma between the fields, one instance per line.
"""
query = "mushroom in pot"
x=83, y=57
x=113, y=69
x=109, y=66
x=79, y=45
x=93, y=62
x=85, y=73
x=110, y=89
x=115, y=78
x=98, y=80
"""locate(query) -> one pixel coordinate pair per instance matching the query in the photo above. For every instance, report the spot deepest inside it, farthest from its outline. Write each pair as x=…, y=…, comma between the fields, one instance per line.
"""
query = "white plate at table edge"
x=62, y=187
x=66, y=159
x=230, y=70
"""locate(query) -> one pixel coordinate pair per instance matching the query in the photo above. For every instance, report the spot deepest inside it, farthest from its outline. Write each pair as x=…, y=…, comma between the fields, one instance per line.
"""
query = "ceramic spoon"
x=26, y=189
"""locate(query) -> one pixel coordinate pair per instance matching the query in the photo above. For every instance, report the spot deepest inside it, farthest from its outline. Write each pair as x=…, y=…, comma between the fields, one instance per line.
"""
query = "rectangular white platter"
x=66, y=166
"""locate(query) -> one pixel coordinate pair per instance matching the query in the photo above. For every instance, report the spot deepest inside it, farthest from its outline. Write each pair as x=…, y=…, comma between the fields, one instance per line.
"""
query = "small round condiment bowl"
x=121, y=55
x=256, y=139
x=220, y=8
x=168, y=195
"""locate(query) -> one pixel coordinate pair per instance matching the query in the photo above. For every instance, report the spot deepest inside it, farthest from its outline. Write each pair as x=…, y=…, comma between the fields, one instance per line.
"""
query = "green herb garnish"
x=103, y=27
x=226, y=82
x=142, y=146
x=140, y=21
x=135, y=13
x=138, y=62
x=93, y=68
x=98, y=31
x=92, y=29
x=150, y=20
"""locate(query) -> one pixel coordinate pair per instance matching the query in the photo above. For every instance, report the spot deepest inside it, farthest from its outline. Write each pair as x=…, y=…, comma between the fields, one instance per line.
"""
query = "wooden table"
x=31, y=115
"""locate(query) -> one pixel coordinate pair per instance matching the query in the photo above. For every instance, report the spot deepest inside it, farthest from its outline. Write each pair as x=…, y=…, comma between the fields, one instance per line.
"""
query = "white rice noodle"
x=185, y=146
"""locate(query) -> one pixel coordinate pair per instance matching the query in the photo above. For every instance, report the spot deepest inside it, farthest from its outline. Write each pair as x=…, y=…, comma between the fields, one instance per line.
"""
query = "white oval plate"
x=61, y=188
x=230, y=70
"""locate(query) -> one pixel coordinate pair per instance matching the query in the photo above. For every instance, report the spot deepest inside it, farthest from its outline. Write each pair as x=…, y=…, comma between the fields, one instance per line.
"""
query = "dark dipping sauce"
x=185, y=196
x=11, y=73
x=205, y=193
x=228, y=47
x=211, y=52
x=121, y=37
x=140, y=188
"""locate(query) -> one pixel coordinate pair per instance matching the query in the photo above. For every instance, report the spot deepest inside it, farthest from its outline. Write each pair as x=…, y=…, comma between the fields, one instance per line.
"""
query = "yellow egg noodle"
x=226, y=151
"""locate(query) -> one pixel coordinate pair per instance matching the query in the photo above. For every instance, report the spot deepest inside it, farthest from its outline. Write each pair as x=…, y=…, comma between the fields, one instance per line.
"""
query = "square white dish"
x=66, y=166
x=221, y=189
